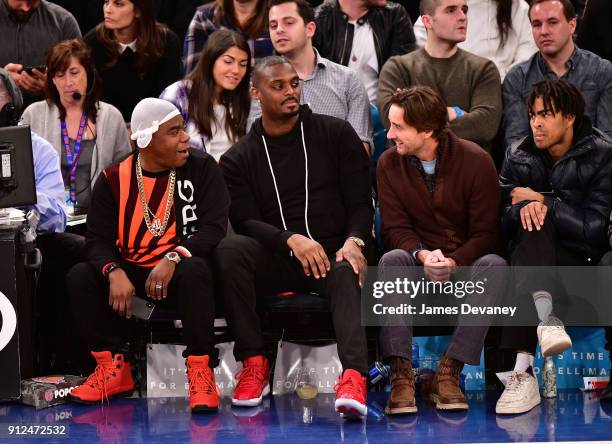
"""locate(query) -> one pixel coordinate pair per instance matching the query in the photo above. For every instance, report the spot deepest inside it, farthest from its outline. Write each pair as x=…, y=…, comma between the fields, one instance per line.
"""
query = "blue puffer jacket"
x=581, y=185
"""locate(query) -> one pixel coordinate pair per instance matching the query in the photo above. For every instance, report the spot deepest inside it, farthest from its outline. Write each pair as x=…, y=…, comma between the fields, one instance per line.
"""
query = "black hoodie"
x=339, y=197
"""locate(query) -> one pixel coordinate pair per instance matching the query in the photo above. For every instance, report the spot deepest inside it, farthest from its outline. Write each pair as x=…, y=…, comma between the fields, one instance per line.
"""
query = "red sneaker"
x=351, y=394
x=253, y=382
x=112, y=377
x=203, y=391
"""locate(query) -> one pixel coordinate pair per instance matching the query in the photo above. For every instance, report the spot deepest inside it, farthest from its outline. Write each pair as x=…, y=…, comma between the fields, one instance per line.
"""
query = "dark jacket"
x=339, y=197
x=123, y=87
x=460, y=217
x=594, y=31
x=27, y=42
x=581, y=186
x=588, y=72
x=201, y=207
x=391, y=26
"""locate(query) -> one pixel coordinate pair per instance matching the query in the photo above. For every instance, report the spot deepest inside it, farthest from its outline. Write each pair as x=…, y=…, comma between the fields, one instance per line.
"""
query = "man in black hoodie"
x=302, y=208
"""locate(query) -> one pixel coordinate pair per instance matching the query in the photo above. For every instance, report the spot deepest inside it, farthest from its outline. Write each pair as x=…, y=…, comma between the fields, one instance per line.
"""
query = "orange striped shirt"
x=135, y=242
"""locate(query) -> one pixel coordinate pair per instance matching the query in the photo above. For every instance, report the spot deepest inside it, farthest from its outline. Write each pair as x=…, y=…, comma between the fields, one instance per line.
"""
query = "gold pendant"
x=156, y=225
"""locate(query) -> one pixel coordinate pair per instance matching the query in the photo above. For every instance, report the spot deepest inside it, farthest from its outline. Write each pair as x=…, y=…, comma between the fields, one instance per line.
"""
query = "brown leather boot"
x=445, y=391
x=401, y=399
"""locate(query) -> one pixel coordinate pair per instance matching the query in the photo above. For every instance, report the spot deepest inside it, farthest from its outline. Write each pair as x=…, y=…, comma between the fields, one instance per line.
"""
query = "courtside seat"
x=297, y=317
x=296, y=302
x=302, y=317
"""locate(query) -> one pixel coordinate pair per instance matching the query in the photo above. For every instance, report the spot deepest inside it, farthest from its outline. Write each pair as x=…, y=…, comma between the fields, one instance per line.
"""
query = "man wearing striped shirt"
x=155, y=219
x=327, y=87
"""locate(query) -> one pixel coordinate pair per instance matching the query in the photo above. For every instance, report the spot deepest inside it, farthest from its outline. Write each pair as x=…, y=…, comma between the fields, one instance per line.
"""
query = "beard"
x=22, y=17
x=292, y=113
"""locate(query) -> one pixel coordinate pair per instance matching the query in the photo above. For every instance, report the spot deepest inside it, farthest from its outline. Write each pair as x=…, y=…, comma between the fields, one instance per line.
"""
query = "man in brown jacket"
x=440, y=200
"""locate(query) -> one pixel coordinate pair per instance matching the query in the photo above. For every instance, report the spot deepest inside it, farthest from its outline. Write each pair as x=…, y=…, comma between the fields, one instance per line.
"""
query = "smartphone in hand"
x=40, y=68
x=142, y=308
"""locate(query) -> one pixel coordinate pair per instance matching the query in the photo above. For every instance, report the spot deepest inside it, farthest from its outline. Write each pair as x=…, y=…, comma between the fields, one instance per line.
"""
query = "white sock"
x=524, y=360
x=543, y=303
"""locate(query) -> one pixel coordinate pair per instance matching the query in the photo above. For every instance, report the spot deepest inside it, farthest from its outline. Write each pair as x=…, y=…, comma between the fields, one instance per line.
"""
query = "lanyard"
x=72, y=156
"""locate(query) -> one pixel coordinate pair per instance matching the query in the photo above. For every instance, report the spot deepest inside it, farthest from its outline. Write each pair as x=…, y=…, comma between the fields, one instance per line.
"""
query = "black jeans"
x=246, y=269
x=60, y=350
x=190, y=291
x=539, y=249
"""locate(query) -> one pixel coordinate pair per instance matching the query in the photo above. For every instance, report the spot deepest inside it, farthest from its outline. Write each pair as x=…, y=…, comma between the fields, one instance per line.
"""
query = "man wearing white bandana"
x=154, y=221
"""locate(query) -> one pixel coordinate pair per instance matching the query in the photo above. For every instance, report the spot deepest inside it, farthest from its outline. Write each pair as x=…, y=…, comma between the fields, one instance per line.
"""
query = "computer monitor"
x=17, y=183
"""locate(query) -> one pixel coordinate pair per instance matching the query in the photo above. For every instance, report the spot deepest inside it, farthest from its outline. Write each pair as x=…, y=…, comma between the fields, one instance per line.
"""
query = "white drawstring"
x=275, y=186
x=280, y=205
x=305, y=181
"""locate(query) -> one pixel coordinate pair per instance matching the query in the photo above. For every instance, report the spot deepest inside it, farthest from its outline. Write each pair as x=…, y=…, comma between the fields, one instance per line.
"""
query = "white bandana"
x=147, y=116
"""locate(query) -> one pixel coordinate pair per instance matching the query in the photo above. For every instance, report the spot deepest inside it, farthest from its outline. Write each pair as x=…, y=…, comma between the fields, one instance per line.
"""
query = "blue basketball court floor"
x=572, y=416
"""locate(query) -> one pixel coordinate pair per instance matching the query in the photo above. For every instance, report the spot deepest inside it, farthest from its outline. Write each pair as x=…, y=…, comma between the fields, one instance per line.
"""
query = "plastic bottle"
x=549, y=378
x=69, y=203
x=415, y=360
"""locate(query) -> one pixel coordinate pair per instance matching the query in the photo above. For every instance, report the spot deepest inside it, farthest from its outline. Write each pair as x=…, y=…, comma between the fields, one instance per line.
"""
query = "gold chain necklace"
x=157, y=228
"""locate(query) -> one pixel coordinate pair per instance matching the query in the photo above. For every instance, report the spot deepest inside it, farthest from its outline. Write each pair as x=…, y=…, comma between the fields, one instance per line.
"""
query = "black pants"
x=538, y=249
x=190, y=291
x=246, y=269
x=60, y=350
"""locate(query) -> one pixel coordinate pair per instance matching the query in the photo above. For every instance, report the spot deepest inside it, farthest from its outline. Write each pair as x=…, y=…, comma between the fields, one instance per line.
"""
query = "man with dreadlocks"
x=556, y=197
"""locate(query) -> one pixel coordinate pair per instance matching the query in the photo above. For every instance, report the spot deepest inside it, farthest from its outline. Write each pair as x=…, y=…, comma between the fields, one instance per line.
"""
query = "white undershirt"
x=219, y=143
x=363, y=58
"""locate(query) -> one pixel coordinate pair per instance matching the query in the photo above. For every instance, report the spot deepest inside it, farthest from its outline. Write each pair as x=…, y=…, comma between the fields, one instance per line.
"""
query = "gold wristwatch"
x=360, y=243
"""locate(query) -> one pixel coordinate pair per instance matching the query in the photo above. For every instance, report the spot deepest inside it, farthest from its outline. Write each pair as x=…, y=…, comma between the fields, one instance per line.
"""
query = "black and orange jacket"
x=116, y=229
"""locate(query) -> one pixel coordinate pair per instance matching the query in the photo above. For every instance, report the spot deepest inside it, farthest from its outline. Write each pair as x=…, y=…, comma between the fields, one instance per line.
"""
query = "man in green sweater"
x=470, y=85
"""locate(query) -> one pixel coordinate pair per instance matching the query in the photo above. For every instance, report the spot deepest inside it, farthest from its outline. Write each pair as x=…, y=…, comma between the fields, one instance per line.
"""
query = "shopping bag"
x=321, y=364
x=166, y=372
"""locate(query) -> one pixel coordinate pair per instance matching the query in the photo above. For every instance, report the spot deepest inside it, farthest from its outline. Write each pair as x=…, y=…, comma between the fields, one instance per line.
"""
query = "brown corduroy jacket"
x=460, y=217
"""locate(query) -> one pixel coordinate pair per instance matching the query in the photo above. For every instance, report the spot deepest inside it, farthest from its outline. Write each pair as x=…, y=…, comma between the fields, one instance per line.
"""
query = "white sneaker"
x=520, y=395
x=552, y=336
